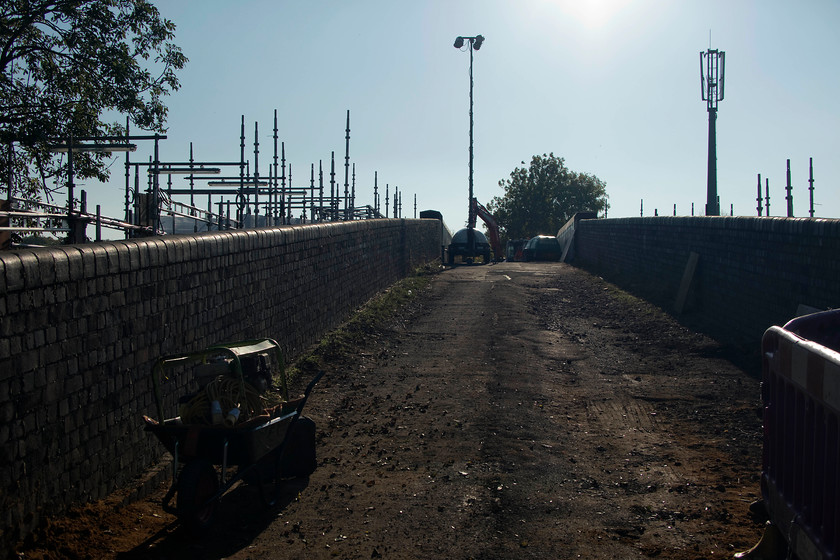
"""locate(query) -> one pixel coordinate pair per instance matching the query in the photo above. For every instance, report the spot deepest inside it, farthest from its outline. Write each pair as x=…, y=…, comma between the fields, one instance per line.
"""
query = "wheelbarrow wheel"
x=197, y=484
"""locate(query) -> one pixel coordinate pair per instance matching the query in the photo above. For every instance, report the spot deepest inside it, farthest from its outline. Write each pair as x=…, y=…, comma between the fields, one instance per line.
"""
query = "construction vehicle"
x=445, y=234
x=470, y=243
x=513, y=252
x=492, y=228
x=468, y=251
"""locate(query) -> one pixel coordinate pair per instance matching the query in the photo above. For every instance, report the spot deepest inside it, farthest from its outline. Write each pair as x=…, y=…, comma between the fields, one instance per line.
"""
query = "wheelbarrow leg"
x=283, y=456
x=299, y=440
x=265, y=478
x=197, y=500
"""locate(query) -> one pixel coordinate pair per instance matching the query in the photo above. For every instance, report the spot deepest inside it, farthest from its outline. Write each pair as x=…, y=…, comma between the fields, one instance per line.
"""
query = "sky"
x=611, y=86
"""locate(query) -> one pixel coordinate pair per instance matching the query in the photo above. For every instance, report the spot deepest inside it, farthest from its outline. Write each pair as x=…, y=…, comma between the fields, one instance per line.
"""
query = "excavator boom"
x=492, y=228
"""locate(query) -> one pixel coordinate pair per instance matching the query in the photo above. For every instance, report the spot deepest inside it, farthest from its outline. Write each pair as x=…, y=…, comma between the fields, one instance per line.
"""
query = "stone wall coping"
x=28, y=268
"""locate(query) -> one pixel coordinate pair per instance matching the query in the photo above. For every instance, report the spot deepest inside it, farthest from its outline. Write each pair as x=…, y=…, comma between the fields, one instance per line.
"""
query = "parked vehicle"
x=514, y=249
x=460, y=246
x=481, y=246
x=445, y=234
x=542, y=248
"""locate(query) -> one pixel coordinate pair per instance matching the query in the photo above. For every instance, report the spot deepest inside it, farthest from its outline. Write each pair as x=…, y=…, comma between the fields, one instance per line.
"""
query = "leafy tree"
x=66, y=63
x=541, y=198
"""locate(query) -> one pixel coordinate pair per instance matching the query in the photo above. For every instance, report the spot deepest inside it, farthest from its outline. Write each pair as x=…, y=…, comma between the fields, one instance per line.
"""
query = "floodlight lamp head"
x=478, y=41
x=459, y=42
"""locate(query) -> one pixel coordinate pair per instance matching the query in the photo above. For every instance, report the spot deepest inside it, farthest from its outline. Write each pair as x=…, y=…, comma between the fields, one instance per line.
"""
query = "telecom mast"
x=711, y=81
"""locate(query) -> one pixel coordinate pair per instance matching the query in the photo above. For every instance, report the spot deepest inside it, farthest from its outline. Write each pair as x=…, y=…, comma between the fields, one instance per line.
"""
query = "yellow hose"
x=230, y=393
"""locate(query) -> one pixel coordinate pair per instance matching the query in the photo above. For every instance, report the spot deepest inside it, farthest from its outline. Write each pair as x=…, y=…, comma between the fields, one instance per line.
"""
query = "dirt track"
x=517, y=410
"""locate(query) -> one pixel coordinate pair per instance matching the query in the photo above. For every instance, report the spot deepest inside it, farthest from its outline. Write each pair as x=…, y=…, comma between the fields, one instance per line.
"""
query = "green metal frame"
x=232, y=350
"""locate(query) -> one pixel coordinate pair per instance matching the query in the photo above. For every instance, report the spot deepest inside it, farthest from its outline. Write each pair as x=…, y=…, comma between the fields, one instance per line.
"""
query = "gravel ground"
x=524, y=410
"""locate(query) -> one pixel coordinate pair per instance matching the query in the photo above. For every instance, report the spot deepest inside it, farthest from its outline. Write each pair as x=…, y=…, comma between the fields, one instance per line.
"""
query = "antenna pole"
x=758, y=198
x=811, y=183
x=789, y=189
x=711, y=81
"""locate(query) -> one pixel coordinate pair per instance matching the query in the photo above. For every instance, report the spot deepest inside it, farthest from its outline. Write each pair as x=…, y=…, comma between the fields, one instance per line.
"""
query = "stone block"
x=30, y=269
x=13, y=277
x=157, y=252
x=75, y=262
x=88, y=264
x=174, y=251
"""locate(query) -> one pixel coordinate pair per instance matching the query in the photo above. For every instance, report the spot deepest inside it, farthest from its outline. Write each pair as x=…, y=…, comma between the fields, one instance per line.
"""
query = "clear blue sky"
x=612, y=86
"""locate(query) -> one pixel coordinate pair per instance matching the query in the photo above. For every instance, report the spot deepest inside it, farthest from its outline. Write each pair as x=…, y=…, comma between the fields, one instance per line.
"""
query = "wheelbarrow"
x=218, y=439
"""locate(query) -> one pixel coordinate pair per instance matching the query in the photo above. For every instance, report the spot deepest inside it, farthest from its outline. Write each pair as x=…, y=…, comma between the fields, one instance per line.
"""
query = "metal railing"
x=24, y=216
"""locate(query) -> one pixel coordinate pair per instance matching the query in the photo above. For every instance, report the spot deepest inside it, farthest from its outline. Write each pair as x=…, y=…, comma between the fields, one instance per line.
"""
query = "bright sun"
x=591, y=14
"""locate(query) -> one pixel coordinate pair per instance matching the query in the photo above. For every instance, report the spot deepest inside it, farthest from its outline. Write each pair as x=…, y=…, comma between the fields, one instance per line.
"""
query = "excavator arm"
x=492, y=228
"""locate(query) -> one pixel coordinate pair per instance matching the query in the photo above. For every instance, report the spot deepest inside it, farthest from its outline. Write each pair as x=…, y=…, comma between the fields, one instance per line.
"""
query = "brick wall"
x=752, y=273
x=80, y=327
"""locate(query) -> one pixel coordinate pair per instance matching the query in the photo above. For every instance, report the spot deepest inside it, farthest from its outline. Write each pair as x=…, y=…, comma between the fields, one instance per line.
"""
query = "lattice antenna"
x=712, y=77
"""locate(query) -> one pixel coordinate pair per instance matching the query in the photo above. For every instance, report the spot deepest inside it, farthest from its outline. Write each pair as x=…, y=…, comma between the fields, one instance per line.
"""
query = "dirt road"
x=517, y=410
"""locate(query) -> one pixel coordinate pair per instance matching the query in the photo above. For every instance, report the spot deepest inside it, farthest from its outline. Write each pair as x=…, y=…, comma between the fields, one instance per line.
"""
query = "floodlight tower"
x=474, y=44
x=711, y=81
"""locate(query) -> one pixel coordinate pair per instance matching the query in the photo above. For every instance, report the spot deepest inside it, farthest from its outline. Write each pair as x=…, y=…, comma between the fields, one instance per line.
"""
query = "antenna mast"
x=712, y=68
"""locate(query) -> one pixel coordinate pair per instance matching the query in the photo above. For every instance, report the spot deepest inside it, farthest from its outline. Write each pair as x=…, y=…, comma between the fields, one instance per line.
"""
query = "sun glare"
x=590, y=14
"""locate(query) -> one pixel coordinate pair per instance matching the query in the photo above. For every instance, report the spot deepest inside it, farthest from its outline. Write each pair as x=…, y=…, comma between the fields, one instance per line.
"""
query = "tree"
x=63, y=65
x=541, y=198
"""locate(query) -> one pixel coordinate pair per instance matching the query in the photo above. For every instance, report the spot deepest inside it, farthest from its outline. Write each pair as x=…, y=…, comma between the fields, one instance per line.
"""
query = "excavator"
x=492, y=228
x=461, y=240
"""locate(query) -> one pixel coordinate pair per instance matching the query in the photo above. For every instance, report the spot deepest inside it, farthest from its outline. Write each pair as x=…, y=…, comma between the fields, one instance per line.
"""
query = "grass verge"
x=376, y=314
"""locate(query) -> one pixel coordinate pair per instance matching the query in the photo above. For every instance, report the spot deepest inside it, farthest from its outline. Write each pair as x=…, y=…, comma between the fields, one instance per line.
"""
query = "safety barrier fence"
x=801, y=395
